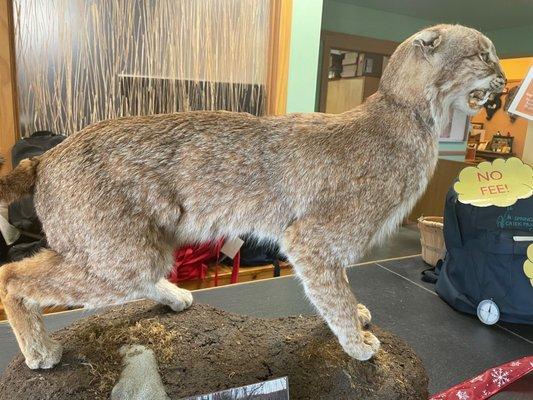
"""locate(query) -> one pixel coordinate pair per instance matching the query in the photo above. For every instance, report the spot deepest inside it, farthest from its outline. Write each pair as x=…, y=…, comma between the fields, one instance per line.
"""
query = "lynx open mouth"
x=477, y=98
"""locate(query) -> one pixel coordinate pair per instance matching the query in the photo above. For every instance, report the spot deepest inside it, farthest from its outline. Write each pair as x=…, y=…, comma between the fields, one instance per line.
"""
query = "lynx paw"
x=364, y=348
x=364, y=315
x=182, y=300
x=170, y=295
x=44, y=357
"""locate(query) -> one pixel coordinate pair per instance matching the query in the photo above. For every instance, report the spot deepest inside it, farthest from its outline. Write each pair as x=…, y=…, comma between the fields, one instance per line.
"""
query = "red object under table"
x=190, y=262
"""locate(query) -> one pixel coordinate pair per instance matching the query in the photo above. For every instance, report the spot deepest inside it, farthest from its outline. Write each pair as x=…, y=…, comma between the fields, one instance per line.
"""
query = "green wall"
x=355, y=20
x=513, y=42
x=362, y=21
x=303, y=60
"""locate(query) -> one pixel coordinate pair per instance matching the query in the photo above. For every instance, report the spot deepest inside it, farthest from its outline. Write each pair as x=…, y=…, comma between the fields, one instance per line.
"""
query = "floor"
x=405, y=242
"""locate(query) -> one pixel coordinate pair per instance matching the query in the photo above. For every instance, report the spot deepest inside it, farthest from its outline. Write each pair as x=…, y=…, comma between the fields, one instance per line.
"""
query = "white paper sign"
x=231, y=247
x=522, y=104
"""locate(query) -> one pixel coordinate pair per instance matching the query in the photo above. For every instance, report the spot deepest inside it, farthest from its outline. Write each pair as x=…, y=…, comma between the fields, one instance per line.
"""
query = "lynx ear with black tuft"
x=427, y=41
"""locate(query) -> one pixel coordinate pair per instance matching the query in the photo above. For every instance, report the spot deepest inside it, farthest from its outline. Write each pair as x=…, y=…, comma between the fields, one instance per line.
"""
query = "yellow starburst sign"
x=499, y=183
x=528, y=265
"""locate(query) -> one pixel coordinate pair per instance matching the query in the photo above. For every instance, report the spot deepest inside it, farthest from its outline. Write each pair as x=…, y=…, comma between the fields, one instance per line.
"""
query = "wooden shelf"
x=246, y=274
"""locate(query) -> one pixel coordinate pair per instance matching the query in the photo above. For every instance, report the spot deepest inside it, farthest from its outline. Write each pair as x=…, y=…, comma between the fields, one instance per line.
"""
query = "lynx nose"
x=498, y=84
x=500, y=74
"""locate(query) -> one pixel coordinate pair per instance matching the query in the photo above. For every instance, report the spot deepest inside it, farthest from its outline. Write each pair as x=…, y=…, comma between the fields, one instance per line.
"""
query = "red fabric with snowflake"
x=489, y=382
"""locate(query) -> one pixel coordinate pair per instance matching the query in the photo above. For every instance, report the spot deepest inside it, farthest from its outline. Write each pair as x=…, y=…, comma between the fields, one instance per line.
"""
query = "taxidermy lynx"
x=116, y=198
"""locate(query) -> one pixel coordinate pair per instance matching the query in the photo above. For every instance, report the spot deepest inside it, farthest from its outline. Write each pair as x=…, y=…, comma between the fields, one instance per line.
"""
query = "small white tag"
x=231, y=247
x=523, y=238
x=9, y=232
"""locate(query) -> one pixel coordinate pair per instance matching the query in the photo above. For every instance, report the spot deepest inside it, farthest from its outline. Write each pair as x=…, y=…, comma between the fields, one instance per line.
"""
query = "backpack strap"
x=451, y=222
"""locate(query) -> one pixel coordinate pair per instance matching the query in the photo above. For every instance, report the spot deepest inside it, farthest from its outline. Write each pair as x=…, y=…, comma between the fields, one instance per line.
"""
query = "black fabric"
x=35, y=145
x=4, y=248
x=431, y=275
x=21, y=250
x=491, y=106
x=482, y=259
x=22, y=213
x=255, y=254
x=508, y=100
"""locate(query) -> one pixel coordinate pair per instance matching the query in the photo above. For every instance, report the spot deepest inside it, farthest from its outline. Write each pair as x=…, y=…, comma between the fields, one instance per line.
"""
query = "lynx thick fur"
x=116, y=198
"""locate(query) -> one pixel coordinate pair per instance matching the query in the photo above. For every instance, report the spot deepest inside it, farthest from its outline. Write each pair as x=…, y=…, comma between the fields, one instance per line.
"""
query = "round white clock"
x=488, y=312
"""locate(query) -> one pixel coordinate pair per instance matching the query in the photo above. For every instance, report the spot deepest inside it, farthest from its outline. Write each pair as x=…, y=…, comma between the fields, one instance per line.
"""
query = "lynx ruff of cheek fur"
x=116, y=198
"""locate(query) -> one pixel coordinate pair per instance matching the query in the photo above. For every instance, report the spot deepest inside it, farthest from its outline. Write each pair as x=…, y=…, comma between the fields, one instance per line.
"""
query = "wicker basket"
x=432, y=239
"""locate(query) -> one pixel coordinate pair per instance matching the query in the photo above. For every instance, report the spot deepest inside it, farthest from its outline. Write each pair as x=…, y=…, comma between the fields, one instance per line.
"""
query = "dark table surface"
x=453, y=346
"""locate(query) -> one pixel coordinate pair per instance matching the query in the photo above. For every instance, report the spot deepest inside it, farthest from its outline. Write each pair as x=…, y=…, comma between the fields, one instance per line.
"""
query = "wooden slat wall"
x=432, y=202
x=278, y=56
x=9, y=125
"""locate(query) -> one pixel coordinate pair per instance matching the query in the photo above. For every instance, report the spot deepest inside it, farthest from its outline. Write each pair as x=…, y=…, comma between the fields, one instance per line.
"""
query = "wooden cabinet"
x=432, y=202
x=9, y=124
x=347, y=93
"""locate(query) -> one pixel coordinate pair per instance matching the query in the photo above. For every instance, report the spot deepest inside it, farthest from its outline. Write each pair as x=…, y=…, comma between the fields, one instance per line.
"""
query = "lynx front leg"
x=326, y=284
x=364, y=315
x=165, y=292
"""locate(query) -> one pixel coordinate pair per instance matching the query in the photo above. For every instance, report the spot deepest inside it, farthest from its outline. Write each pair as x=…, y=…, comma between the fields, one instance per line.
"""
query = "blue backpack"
x=483, y=261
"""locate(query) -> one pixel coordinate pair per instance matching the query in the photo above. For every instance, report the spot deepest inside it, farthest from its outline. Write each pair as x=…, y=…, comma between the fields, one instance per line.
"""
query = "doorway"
x=351, y=69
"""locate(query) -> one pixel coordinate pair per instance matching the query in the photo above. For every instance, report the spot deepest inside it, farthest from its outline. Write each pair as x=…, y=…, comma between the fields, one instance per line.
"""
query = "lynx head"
x=444, y=67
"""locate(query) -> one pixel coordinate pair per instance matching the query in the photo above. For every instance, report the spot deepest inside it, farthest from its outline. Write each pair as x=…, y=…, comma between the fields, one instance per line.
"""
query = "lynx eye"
x=485, y=57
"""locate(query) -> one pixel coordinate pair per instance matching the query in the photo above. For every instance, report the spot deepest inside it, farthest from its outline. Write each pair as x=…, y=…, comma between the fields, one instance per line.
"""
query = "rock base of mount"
x=203, y=350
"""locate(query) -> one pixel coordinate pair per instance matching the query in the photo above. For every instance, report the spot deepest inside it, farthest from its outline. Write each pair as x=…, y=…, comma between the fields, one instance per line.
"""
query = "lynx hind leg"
x=39, y=350
x=327, y=287
x=48, y=279
x=24, y=287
